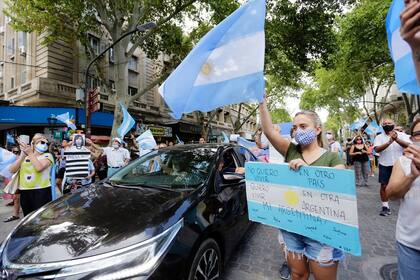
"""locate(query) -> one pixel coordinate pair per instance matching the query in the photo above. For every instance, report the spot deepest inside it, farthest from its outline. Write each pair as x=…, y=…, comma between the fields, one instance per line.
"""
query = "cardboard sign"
x=317, y=202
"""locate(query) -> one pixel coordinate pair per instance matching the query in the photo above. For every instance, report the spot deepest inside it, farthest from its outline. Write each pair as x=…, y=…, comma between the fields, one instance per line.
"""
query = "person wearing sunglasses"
x=34, y=166
x=404, y=185
x=360, y=157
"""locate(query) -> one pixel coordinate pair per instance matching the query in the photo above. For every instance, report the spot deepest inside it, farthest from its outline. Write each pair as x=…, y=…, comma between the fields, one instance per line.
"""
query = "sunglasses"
x=15, y=152
x=43, y=142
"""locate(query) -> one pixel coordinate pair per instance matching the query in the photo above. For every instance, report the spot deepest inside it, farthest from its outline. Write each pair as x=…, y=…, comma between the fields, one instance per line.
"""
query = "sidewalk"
x=5, y=212
x=258, y=256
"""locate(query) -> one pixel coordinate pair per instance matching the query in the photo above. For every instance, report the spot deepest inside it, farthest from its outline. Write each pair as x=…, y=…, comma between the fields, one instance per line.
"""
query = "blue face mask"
x=41, y=148
x=305, y=137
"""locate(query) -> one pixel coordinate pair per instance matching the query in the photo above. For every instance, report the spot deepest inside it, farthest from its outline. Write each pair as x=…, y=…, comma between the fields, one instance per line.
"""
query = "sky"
x=293, y=108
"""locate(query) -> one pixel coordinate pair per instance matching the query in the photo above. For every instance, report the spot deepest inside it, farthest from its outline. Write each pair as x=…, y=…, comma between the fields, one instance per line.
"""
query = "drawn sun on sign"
x=291, y=197
x=206, y=68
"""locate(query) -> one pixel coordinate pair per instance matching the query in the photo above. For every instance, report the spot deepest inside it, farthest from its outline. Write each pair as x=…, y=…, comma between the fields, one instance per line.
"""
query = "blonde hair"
x=316, y=120
x=37, y=137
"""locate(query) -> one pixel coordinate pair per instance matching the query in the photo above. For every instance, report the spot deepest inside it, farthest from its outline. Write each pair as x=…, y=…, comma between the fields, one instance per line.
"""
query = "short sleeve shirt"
x=328, y=159
x=391, y=154
x=30, y=179
x=116, y=157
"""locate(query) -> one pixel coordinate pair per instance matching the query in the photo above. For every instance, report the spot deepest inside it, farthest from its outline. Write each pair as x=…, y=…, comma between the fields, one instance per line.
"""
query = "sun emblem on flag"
x=206, y=68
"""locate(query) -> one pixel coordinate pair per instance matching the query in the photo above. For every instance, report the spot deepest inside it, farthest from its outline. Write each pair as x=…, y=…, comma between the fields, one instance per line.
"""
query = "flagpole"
x=141, y=28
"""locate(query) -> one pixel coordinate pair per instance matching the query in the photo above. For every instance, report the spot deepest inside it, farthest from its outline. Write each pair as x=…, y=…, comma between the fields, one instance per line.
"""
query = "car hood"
x=96, y=220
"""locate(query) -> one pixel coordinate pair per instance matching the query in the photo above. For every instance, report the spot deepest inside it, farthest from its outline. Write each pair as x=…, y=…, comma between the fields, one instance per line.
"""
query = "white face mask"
x=115, y=146
x=41, y=148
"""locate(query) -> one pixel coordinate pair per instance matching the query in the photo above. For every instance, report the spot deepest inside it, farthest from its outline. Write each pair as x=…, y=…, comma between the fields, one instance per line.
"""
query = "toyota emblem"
x=4, y=275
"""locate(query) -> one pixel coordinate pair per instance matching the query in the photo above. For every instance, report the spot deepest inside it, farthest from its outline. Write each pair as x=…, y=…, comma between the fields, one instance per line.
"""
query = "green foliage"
x=280, y=115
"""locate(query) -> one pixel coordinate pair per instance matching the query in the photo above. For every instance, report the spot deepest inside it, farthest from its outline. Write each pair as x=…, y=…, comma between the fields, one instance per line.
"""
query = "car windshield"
x=168, y=168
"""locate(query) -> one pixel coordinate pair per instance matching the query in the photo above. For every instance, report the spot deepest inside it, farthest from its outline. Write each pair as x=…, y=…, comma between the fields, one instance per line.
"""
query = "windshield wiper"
x=136, y=185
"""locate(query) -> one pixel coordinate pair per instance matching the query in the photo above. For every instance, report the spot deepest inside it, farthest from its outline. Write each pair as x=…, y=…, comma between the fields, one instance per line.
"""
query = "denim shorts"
x=311, y=249
x=408, y=262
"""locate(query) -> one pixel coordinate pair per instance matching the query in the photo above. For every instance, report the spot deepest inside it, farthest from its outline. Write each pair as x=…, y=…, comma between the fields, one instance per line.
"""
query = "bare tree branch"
x=147, y=88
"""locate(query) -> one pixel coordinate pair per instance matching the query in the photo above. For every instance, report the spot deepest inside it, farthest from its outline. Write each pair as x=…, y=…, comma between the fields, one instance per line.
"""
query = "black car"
x=175, y=213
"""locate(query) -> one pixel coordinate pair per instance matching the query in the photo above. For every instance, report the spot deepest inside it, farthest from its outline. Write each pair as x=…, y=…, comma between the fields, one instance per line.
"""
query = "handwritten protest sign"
x=316, y=202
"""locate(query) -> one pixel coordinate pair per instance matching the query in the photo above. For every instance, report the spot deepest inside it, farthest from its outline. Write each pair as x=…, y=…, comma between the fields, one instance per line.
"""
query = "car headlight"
x=136, y=260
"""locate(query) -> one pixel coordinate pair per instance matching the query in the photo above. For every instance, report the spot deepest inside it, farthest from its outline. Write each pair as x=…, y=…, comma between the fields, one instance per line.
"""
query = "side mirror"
x=233, y=177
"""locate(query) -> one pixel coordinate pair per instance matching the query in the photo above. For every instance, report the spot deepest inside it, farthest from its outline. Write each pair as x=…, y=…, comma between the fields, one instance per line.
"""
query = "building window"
x=22, y=41
x=12, y=82
x=11, y=47
x=111, y=55
x=132, y=63
x=94, y=44
x=132, y=91
x=23, y=76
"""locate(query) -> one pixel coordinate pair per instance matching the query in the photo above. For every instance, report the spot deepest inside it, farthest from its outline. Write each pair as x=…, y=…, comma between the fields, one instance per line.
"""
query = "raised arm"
x=279, y=143
x=399, y=183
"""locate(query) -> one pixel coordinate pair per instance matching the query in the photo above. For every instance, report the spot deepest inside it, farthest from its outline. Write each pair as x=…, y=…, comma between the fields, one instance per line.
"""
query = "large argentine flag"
x=6, y=159
x=226, y=67
x=405, y=73
x=127, y=124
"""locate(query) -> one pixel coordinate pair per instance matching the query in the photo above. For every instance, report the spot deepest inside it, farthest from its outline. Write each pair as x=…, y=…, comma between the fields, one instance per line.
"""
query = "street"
x=258, y=256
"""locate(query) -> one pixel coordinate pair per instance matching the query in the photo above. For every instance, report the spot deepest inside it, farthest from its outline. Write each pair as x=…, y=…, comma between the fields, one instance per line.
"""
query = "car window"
x=168, y=168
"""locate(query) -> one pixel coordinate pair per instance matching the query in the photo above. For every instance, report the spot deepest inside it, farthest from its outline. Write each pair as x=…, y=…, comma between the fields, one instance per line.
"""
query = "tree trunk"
x=121, y=85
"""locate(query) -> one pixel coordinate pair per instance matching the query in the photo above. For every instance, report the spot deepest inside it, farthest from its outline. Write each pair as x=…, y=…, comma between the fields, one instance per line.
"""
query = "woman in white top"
x=405, y=185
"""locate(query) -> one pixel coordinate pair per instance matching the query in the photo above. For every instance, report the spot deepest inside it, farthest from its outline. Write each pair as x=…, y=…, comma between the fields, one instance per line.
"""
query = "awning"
x=100, y=138
x=14, y=116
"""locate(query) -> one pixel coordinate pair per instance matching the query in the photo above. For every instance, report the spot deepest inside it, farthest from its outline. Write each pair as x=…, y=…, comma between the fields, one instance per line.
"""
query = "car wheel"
x=207, y=262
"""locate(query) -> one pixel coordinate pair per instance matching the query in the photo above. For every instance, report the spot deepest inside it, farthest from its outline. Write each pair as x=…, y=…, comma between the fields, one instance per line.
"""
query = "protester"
x=390, y=145
x=410, y=28
x=360, y=158
x=307, y=127
x=101, y=167
x=15, y=197
x=65, y=145
x=405, y=185
x=348, y=146
x=34, y=165
x=117, y=156
x=202, y=141
x=371, y=156
x=335, y=146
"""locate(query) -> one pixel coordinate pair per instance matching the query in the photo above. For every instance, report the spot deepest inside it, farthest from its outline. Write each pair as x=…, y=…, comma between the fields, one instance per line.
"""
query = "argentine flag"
x=225, y=137
x=65, y=118
x=127, y=124
x=146, y=140
x=226, y=67
x=405, y=73
x=6, y=159
x=358, y=124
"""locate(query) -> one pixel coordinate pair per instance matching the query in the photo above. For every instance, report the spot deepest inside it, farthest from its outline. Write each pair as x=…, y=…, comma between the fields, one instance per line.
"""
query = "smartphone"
x=24, y=139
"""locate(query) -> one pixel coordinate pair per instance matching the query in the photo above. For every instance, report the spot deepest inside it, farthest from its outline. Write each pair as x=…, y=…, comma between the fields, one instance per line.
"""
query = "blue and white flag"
x=246, y=143
x=146, y=140
x=6, y=159
x=226, y=67
x=405, y=73
x=65, y=118
x=10, y=139
x=179, y=141
x=127, y=124
x=373, y=128
x=358, y=124
x=225, y=137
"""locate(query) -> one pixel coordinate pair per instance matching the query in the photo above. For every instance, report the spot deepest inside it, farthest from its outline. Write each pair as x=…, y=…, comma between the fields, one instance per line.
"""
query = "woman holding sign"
x=305, y=254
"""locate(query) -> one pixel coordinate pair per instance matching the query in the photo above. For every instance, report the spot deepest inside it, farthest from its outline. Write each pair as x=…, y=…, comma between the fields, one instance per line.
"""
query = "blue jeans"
x=408, y=262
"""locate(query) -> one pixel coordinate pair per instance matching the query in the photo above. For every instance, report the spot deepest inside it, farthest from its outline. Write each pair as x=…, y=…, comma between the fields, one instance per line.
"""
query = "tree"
x=73, y=20
x=280, y=115
x=361, y=63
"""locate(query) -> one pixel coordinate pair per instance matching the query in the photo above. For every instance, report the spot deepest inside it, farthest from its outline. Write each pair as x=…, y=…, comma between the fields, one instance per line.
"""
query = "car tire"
x=207, y=262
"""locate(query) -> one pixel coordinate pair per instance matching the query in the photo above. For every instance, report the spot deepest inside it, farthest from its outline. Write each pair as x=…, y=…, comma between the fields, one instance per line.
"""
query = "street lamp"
x=140, y=28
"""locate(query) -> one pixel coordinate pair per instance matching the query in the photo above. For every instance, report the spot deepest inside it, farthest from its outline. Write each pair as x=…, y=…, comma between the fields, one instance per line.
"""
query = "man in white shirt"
x=391, y=145
x=335, y=146
x=116, y=156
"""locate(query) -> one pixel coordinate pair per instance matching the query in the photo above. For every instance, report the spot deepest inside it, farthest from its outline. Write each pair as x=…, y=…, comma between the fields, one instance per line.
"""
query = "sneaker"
x=284, y=271
x=388, y=213
x=384, y=211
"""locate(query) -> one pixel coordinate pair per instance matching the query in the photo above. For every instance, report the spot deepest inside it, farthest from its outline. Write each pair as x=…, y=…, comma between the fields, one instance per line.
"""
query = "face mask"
x=41, y=148
x=388, y=128
x=329, y=136
x=115, y=146
x=305, y=137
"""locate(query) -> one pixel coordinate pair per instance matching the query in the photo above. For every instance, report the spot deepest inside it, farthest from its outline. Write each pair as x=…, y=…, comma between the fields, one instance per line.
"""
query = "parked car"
x=174, y=213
